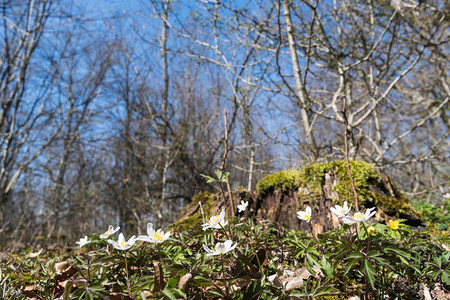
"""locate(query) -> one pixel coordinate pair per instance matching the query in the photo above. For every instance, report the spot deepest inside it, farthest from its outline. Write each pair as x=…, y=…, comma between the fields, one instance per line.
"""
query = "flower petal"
x=207, y=249
x=308, y=210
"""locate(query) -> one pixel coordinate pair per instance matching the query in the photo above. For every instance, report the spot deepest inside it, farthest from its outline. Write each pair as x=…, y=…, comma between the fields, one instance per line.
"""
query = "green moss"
x=313, y=176
x=369, y=185
x=396, y=206
x=195, y=218
x=287, y=180
x=364, y=175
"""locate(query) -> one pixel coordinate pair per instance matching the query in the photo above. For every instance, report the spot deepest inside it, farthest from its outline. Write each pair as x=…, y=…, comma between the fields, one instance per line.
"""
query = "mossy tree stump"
x=321, y=186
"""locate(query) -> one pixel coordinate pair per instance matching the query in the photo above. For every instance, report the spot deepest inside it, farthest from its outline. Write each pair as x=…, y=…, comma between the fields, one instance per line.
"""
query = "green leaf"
x=219, y=174
x=398, y=251
x=326, y=267
x=209, y=179
x=355, y=254
x=350, y=265
x=168, y=293
x=202, y=281
x=435, y=273
x=67, y=290
x=311, y=260
x=216, y=292
x=373, y=254
x=297, y=294
x=369, y=271
x=172, y=282
x=366, y=266
x=382, y=261
x=446, y=276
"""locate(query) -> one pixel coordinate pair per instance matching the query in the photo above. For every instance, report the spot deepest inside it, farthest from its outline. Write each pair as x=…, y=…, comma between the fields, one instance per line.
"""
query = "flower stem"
x=159, y=253
x=126, y=273
x=223, y=275
x=311, y=231
x=368, y=289
x=226, y=233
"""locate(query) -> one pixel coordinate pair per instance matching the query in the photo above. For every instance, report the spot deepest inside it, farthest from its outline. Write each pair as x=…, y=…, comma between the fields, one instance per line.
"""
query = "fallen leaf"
x=159, y=277
x=66, y=274
x=275, y=280
x=119, y=296
x=293, y=283
x=240, y=283
x=184, y=281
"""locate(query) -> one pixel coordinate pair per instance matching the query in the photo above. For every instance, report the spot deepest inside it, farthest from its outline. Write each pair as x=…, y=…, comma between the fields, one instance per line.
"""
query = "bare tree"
x=23, y=113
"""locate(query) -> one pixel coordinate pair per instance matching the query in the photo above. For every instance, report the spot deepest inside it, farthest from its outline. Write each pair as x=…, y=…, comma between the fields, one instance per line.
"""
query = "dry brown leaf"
x=440, y=295
x=184, y=281
x=66, y=274
x=293, y=283
x=148, y=295
x=61, y=266
x=305, y=274
x=275, y=280
x=159, y=277
x=29, y=292
x=426, y=292
x=120, y=296
x=240, y=283
x=261, y=258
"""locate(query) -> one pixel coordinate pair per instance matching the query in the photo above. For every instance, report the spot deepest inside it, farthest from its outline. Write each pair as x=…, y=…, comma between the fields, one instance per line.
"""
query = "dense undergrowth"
x=269, y=262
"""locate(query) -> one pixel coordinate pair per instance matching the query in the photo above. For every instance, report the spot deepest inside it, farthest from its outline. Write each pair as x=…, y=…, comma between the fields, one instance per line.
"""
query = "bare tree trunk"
x=300, y=88
x=250, y=169
x=164, y=113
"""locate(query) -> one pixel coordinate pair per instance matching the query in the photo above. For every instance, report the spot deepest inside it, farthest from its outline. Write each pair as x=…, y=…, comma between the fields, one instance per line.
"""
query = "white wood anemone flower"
x=341, y=211
x=35, y=254
x=121, y=244
x=220, y=248
x=348, y=221
x=359, y=216
x=305, y=215
x=216, y=222
x=154, y=236
x=109, y=232
x=243, y=206
x=83, y=241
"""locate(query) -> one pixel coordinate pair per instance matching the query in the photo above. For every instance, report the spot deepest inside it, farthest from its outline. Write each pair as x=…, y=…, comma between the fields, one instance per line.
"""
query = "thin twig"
x=224, y=158
x=344, y=115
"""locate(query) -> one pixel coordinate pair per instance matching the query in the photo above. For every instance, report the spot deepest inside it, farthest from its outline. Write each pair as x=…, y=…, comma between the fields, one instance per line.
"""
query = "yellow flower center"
x=123, y=244
x=214, y=218
x=307, y=217
x=220, y=248
x=158, y=236
x=358, y=216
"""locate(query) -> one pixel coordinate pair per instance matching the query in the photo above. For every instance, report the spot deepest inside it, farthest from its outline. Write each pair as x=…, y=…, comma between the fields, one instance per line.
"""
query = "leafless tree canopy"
x=110, y=113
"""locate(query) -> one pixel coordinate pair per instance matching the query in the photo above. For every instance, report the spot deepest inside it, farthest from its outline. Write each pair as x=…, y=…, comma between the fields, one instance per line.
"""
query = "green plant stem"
x=367, y=296
x=311, y=231
x=203, y=217
x=226, y=233
x=403, y=237
x=126, y=273
x=159, y=253
x=223, y=275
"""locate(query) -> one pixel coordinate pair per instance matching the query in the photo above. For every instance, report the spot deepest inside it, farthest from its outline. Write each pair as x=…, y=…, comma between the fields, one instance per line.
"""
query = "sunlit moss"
x=364, y=175
x=287, y=180
x=310, y=180
x=193, y=210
